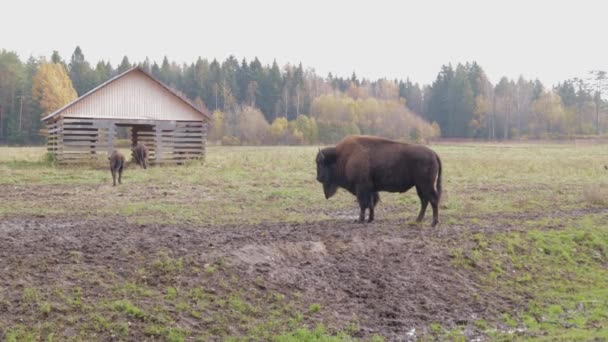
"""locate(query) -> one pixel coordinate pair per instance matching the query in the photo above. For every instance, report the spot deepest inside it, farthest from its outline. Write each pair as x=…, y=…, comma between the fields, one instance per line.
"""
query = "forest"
x=255, y=103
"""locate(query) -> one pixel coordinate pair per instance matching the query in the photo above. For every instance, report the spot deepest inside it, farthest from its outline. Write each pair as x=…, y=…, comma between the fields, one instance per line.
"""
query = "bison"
x=365, y=165
x=117, y=164
x=139, y=153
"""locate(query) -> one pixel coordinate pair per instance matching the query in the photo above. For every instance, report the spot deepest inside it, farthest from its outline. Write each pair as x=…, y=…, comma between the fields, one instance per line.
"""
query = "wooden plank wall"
x=85, y=140
x=53, y=137
x=180, y=142
x=75, y=140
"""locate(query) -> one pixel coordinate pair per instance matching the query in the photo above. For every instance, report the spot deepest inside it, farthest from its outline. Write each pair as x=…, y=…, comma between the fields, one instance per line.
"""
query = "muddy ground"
x=393, y=278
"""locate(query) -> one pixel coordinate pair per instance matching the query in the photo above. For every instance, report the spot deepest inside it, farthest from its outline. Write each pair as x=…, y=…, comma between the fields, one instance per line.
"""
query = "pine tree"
x=230, y=70
x=104, y=71
x=165, y=71
x=56, y=58
x=124, y=66
x=82, y=76
x=11, y=80
x=146, y=65
x=243, y=80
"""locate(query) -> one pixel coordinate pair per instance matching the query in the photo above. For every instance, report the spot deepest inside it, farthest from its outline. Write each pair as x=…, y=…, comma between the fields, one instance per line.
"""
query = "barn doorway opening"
x=138, y=133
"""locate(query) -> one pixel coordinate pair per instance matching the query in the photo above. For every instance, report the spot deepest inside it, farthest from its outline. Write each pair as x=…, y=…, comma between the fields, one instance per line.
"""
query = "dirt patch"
x=388, y=277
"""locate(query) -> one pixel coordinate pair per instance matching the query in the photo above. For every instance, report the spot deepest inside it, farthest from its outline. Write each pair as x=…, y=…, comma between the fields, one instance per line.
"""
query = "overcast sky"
x=549, y=40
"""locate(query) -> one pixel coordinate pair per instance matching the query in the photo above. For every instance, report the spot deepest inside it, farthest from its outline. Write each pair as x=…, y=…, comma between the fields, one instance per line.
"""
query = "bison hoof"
x=435, y=223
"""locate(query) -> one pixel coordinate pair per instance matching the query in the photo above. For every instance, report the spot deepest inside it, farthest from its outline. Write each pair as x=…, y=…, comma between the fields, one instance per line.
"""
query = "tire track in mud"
x=388, y=276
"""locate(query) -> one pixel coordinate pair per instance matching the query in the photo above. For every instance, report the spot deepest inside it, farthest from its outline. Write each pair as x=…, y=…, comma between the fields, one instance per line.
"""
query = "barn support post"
x=204, y=142
x=158, y=153
x=134, y=131
x=111, y=133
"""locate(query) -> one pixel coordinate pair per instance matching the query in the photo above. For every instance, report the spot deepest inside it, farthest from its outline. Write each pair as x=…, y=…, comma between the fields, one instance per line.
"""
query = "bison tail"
x=438, y=179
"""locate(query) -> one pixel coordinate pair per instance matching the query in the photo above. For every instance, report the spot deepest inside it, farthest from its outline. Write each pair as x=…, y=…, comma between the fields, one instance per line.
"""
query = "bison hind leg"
x=428, y=194
x=375, y=198
x=113, y=176
x=424, y=202
x=365, y=198
x=435, y=206
x=120, y=175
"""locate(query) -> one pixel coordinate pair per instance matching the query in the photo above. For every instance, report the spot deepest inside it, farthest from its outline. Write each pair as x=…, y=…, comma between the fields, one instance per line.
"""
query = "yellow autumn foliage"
x=52, y=87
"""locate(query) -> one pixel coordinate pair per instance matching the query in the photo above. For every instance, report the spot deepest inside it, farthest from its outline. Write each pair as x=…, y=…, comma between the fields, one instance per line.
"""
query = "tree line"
x=257, y=103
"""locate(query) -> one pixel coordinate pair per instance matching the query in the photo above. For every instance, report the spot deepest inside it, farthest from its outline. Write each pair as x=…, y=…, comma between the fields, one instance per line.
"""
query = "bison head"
x=326, y=160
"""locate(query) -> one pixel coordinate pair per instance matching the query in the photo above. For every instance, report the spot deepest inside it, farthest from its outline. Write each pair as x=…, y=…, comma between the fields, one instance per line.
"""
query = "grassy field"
x=523, y=223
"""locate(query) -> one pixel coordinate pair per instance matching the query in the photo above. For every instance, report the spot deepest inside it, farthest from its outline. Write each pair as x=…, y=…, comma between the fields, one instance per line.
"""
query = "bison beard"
x=365, y=165
x=329, y=189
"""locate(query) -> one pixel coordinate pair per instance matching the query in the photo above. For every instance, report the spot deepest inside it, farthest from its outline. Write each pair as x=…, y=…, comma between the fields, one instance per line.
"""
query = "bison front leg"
x=113, y=177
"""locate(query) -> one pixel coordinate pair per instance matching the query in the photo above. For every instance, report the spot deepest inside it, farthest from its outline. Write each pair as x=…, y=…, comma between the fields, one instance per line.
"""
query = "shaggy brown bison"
x=139, y=153
x=365, y=165
x=117, y=164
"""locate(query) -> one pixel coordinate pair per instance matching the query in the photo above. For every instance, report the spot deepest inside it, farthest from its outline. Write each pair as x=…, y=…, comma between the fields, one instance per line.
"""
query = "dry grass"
x=253, y=184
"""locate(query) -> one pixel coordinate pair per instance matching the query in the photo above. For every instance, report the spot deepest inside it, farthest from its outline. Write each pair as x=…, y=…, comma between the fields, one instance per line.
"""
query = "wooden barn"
x=171, y=127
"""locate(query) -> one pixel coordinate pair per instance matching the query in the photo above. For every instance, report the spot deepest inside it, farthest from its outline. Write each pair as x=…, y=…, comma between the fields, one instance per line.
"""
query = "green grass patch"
x=128, y=308
x=561, y=274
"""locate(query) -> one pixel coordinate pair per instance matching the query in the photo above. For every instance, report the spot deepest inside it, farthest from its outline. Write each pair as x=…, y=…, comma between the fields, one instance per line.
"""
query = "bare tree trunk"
x=597, y=117
x=297, y=101
x=519, y=105
x=505, y=131
x=493, y=117
x=1, y=123
x=20, y=112
x=489, y=125
x=286, y=98
x=215, y=91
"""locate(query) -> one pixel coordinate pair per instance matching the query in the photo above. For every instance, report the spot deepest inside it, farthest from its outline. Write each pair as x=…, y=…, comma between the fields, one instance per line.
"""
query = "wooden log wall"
x=53, y=138
x=175, y=143
x=85, y=140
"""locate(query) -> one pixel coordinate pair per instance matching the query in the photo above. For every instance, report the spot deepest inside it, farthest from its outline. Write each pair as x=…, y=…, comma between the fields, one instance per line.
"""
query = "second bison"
x=140, y=154
x=365, y=165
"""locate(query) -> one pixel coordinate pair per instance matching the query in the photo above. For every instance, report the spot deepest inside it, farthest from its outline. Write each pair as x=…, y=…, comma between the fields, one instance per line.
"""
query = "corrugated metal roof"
x=132, y=98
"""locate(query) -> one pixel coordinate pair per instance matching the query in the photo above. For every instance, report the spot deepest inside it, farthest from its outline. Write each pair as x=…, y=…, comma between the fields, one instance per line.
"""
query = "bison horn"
x=321, y=156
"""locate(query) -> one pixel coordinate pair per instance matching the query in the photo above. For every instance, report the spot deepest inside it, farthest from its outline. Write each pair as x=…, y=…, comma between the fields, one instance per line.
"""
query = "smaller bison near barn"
x=366, y=165
x=139, y=153
x=117, y=164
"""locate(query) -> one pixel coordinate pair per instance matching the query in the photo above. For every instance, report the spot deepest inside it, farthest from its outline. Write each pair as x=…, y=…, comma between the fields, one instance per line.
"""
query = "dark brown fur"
x=365, y=165
x=140, y=155
x=117, y=164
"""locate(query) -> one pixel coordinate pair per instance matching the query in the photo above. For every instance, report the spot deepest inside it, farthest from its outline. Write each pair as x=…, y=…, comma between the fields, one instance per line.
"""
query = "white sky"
x=549, y=40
